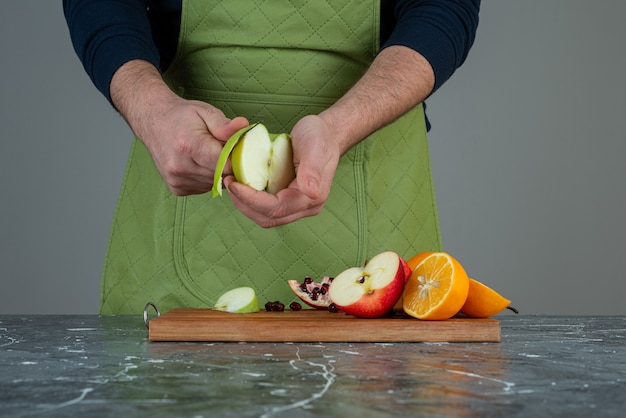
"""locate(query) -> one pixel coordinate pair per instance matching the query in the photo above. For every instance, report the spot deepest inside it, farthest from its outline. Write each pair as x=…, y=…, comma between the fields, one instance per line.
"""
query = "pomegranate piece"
x=312, y=293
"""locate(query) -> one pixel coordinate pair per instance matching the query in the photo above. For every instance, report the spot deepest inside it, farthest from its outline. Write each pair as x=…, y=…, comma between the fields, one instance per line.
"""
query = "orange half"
x=437, y=288
x=412, y=263
x=417, y=258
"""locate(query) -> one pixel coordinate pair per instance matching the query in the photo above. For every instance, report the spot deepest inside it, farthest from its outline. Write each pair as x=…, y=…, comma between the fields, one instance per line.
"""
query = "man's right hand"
x=184, y=137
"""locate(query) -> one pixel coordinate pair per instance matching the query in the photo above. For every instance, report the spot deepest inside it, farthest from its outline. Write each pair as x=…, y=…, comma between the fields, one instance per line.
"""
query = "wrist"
x=398, y=79
x=137, y=91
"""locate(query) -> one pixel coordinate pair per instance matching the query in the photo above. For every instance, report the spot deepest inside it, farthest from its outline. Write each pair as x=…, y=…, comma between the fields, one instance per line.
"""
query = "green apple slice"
x=260, y=160
x=239, y=300
x=221, y=161
x=281, y=170
x=264, y=161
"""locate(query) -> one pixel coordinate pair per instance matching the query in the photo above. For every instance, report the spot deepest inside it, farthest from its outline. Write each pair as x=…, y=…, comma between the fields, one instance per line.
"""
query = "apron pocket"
x=277, y=112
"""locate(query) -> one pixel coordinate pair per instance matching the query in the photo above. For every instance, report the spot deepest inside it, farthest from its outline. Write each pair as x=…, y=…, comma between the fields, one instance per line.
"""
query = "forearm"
x=184, y=137
x=398, y=79
x=138, y=91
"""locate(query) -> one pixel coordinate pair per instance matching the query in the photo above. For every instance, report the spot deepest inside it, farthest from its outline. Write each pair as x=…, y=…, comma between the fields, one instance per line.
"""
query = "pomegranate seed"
x=277, y=306
x=295, y=306
x=333, y=308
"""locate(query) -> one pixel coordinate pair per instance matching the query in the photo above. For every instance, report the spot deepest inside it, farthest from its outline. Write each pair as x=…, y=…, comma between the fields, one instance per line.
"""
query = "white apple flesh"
x=259, y=159
x=372, y=290
x=281, y=169
x=263, y=161
x=239, y=300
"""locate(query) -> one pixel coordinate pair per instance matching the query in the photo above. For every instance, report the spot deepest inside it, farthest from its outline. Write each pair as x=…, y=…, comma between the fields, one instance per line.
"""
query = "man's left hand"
x=316, y=156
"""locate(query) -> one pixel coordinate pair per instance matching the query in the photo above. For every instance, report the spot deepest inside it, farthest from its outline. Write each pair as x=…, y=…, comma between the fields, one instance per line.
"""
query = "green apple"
x=239, y=300
x=259, y=159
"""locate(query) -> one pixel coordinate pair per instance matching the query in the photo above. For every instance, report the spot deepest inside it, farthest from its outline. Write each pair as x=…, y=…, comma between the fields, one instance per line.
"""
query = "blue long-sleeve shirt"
x=108, y=33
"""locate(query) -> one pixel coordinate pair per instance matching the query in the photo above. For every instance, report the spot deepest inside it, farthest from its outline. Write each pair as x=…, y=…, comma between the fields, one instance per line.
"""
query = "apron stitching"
x=178, y=246
x=361, y=208
x=376, y=31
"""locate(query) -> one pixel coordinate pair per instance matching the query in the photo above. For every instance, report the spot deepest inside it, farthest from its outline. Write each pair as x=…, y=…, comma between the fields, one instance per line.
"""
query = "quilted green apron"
x=272, y=62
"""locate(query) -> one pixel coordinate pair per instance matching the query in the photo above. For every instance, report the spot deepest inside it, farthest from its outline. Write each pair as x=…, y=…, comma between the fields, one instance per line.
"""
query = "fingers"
x=208, y=133
x=316, y=156
x=268, y=210
x=186, y=163
x=186, y=150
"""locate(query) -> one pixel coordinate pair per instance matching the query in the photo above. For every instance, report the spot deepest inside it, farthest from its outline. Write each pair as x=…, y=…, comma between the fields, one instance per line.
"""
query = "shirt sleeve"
x=442, y=31
x=108, y=33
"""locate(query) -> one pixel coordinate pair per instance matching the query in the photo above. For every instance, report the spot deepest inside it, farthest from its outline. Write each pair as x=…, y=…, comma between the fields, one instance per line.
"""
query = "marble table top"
x=95, y=366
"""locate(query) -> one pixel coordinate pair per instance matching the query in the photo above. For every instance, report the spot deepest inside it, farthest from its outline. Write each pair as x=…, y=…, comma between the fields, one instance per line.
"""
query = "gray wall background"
x=527, y=150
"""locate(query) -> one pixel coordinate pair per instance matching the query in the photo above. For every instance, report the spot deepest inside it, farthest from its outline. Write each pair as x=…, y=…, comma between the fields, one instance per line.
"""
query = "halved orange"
x=417, y=258
x=482, y=301
x=412, y=263
x=437, y=288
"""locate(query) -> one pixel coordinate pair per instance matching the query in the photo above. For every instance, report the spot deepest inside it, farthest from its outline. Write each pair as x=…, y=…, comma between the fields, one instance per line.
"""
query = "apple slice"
x=239, y=300
x=372, y=290
x=264, y=161
x=260, y=160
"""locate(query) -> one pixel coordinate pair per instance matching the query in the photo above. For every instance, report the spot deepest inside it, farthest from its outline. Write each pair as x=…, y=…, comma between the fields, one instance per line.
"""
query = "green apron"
x=272, y=62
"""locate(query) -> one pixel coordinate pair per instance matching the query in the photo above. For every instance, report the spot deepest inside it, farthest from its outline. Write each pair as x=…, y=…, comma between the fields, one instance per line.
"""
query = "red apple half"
x=407, y=271
x=372, y=290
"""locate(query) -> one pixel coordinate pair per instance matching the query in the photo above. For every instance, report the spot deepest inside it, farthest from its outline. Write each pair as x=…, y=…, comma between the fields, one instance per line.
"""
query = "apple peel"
x=224, y=154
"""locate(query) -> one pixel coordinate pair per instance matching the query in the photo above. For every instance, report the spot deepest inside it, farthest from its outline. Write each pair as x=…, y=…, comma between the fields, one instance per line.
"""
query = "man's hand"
x=316, y=155
x=185, y=141
x=398, y=79
x=184, y=137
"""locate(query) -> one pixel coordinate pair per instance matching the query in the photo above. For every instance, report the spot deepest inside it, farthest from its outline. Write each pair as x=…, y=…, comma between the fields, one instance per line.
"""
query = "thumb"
x=219, y=126
x=224, y=131
x=309, y=180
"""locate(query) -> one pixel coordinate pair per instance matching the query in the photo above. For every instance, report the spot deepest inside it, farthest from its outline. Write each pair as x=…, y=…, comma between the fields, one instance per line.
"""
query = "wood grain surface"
x=314, y=326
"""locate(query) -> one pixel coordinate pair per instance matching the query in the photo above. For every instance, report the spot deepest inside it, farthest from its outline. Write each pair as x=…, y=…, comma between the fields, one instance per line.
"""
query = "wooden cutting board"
x=310, y=325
